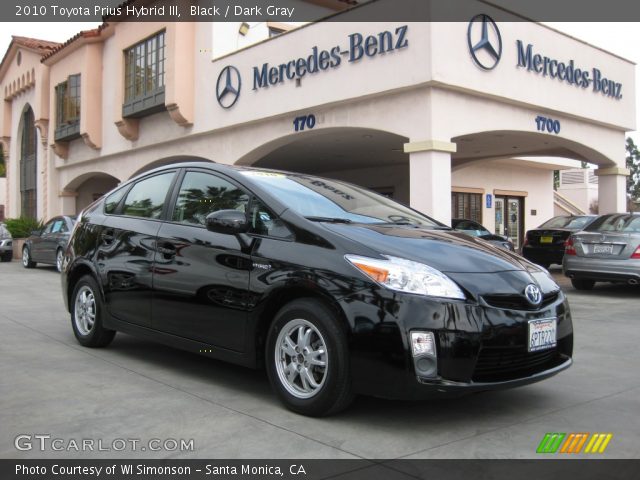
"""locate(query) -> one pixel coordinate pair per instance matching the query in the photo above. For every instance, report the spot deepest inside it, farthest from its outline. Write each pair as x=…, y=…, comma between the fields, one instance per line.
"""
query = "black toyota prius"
x=333, y=289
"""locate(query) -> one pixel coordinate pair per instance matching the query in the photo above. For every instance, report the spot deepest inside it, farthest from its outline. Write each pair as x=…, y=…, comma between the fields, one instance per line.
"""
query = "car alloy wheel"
x=26, y=258
x=59, y=260
x=301, y=358
x=307, y=355
x=85, y=310
x=87, y=314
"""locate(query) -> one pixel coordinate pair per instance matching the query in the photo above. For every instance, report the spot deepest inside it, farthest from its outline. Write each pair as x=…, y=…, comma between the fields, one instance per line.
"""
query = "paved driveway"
x=139, y=390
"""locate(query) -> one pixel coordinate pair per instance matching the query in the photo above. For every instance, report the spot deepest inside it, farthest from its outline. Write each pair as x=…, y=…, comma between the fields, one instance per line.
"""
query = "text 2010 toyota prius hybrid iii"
x=334, y=289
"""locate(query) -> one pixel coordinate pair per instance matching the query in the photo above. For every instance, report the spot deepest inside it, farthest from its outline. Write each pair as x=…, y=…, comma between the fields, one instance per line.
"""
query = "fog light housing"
x=423, y=343
x=425, y=357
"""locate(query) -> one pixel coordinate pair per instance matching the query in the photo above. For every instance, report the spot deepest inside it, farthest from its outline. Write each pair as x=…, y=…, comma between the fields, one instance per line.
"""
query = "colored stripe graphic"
x=574, y=443
x=550, y=443
x=598, y=443
x=555, y=442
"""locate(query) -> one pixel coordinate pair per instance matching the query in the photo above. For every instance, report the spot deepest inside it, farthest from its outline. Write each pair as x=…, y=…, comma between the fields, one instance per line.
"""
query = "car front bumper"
x=602, y=269
x=479, y=347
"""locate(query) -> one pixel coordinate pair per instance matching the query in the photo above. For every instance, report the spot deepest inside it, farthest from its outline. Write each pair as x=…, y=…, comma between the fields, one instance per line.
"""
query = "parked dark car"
x=545, y=244
x=334, y=289
x=48, y=244
x=6, y=244
x=476, y=230
x=608, y=250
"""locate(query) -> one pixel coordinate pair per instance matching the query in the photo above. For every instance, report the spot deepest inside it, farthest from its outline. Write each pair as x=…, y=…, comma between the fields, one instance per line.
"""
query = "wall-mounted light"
x=244, y=28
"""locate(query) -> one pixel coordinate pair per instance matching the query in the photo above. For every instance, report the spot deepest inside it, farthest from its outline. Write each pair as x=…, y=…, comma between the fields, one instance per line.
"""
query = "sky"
x=620, y=38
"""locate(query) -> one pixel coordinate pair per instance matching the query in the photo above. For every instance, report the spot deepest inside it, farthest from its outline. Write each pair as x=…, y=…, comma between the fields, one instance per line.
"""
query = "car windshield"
x=616, y=223
x=566, y=222
x=321, y=199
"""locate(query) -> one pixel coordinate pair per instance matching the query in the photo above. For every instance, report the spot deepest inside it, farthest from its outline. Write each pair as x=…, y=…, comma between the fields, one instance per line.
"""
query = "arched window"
x=28, y=166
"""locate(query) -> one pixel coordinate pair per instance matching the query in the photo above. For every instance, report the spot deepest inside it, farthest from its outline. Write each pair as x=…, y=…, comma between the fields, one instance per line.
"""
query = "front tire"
x=582, y=283
x=7, y=257
x=26, y=258
x=307, y=358
x=87, y=312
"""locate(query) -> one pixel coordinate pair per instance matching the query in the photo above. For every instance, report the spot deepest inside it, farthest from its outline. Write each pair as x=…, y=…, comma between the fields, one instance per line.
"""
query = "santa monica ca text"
x=143, y=469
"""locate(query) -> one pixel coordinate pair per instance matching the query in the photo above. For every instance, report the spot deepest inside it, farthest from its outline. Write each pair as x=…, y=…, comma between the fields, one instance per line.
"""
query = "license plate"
x=542, y=334
x=608, y=249
x=546, y=239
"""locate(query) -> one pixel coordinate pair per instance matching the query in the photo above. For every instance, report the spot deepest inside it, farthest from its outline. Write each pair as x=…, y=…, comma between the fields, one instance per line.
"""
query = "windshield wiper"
x=329, y=219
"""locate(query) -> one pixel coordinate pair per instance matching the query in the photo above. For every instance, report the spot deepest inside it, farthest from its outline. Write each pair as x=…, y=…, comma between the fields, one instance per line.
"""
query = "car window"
x=204, y=193
x=320, y=198
x=146, y=198
x=48, y=227
x=264, y=222
x=112, y=201
x=58, y=226
x=566, y=222
x=472, y=228
x=616, y=223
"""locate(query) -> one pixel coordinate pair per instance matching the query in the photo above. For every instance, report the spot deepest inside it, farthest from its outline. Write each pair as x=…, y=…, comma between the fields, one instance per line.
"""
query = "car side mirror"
x=36, y=233
x=230, y=222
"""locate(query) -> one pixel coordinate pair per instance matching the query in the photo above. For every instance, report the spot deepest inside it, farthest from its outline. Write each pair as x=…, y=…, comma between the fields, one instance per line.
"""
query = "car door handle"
x=167, y=250
x=108, y=236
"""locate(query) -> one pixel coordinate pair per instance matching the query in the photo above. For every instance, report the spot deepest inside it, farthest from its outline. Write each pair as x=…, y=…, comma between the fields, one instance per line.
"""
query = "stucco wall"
x=537, y=183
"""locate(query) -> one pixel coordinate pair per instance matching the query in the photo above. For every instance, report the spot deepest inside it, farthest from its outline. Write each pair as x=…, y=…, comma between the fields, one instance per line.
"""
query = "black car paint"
x=549, y=253
x=216, y=294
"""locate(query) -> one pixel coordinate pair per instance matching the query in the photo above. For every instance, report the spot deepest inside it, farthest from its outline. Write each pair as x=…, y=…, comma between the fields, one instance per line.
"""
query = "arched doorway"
x=504, y=178
x=91, y=186
x=28, y=165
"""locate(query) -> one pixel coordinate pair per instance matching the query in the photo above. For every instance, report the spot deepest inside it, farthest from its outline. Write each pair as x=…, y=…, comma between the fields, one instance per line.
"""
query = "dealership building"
x=457, y=119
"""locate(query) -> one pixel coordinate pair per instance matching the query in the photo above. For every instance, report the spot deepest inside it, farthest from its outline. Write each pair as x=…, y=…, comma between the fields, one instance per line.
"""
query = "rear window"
x=566, y=222
x=624, y=223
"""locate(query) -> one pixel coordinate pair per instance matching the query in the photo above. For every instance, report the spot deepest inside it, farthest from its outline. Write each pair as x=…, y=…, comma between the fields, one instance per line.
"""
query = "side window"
x=146, y=198
x=112, y=201
x=48, y=227
x=202, y=194
x=264, y=222
x=57, y=226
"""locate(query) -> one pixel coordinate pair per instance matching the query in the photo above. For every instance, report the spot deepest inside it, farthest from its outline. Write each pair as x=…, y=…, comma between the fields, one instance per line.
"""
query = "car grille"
x=519, y=302
x=497, y=364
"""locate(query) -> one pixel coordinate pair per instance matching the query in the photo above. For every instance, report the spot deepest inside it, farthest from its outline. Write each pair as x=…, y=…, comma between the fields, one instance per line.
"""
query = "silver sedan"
x=608, y=250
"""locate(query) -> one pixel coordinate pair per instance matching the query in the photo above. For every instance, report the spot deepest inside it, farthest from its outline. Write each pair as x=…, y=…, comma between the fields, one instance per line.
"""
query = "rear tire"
x=26, y=258
x=582, y=283
x=59, y=260
x=307, y=359
x=87, y=312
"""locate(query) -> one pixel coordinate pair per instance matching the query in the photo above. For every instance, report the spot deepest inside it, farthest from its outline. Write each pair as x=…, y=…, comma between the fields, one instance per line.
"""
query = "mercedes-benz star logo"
x=533, y=294
x=485, y=42
x=228, y=86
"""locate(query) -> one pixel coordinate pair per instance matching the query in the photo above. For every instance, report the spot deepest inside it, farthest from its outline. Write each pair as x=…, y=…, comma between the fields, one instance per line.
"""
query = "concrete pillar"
x=612, y=190
x=430, y=178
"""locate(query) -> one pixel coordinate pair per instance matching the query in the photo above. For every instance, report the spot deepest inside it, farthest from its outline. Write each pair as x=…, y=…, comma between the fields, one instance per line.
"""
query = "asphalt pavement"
x=136, y=391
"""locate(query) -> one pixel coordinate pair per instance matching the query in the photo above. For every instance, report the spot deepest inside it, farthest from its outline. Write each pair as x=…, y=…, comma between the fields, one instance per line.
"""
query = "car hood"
x=446, y=250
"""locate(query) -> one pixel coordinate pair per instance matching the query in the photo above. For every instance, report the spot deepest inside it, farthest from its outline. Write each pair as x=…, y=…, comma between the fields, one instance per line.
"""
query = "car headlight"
x=407, y=276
